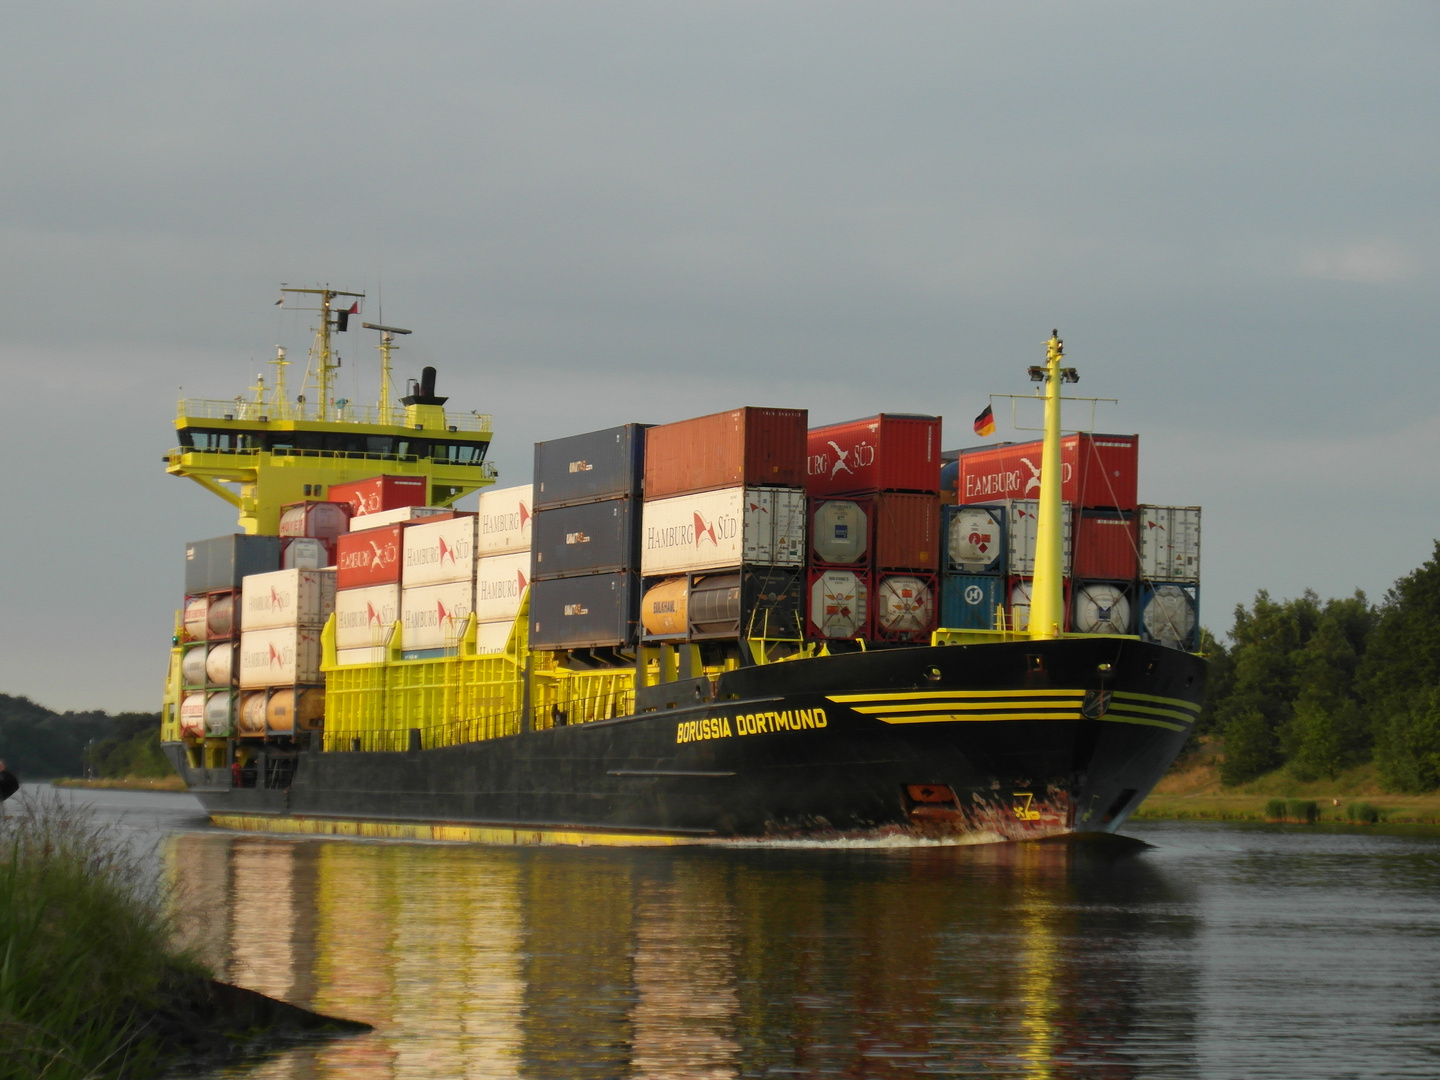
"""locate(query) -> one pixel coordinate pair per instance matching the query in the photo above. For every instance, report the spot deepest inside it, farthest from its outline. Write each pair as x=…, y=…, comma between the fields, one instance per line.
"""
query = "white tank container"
x=288, y=598
x=1020, y=605
x=840, y=532
x=192, y=714
x=192, y=666
x=1100, y=608
x=839, y=604
x=219, y=713
x=974, y=539
x=221, y=616
x=1170, y=543
x=500, y=583
x=279, y=657
x=251, y=720
x=1169, y=616
x=433, y=617
x=365, y=618
x=715, y=530
x=903, y=605
x=220, y=664
x=196, y=610
x=439, y=552
x=504, y=520
x=1022, y=535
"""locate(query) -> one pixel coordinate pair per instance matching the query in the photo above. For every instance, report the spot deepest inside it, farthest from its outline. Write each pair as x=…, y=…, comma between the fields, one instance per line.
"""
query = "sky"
x=599, y=213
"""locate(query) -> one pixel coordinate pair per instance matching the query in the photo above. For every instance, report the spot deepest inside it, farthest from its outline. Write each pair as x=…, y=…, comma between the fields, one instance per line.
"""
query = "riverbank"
x=125, y=783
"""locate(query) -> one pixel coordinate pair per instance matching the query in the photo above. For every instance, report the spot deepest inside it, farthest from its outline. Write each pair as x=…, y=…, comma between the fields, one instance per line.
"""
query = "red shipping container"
x=371, y=557
x=741, y=448
x=383, y=493
x=1097, y=470
x=317, y=520
x=906, y=528
x=1105, y=545
x=889, y=452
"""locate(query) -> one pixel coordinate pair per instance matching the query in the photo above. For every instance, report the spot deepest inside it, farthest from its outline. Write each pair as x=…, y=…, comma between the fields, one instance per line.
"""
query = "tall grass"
x=85, y=946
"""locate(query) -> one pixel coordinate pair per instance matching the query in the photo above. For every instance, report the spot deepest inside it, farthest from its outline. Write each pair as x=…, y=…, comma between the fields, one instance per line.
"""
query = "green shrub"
x=1302, y=810
x=1275, y=809
x=1363, y=812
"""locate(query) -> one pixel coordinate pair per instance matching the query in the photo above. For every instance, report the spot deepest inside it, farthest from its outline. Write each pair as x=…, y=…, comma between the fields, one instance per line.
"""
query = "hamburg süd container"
x=192, y=665
x=250, y=719
x=750, y=447
x=372, y=655
x=403, y=516
x=1096, y=470
x=906, y=528
x=366, y=618
x=1170, y=543
x=1021, y=533
x=1100, y=607
x=192, y=714
x=714, y=530
x=500, y=582
x=221, y=619
x=839, y=604
x=288, y=598
x=434, y=616
x=597, y=465
x=291, y=709
x=197, y=610
x=320, y=520
x=840, y=532
x=905, y=606
x=371, y=557
x=438, y=552
x=220, y=713
x=970, y=601
x=596, y=611
x=1170, y=614
x=222, y=562
x=280, y=657
x=587, y=538
x=220, y=664
x=889, y=452
x=504, y=520
x=973, y=539
x=380, y=493
x=1019, y=606
x=307, y=553
x=1104, y=545
x=492, y=637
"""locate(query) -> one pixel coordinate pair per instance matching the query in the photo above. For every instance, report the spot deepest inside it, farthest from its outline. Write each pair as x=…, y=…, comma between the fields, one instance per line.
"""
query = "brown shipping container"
x=749, y=447
x=889, y=452
x=1105, y=545
x=906, y=530
x=1096, y=470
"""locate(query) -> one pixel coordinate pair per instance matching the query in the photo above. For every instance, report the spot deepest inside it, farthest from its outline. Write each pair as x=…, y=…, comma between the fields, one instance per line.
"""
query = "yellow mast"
x=387, y=346
x=1047, y=591
x=322, y=353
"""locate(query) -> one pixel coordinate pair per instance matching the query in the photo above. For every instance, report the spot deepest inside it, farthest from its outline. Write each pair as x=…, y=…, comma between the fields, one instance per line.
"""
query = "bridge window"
x=459, y=453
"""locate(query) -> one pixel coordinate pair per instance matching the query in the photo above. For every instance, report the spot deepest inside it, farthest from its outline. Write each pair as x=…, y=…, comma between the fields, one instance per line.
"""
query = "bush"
x=1364, y=813
x=1302, y=810
x=1275, y=809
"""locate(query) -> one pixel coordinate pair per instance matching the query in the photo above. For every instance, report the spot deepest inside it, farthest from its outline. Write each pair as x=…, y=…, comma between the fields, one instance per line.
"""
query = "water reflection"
x=1021, y=960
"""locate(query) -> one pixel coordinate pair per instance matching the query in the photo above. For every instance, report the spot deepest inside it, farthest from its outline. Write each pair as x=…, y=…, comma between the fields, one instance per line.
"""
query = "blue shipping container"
x=598, y=465
x=968, y=601
x=972, y=539
x=588, y=538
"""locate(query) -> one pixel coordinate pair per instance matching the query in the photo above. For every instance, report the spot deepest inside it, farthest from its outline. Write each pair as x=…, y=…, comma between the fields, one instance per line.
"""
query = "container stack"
x=874, y=515
x=309, y=531
x=282, y=689
x=503, y=526
x=367, y=590
x=1170, y=572
x=439, y=563
x=723, y=530
x=215, y=570
x=585, y=560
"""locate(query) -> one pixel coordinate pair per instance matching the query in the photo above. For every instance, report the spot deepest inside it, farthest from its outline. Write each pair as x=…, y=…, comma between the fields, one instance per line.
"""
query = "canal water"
x=1217, y=951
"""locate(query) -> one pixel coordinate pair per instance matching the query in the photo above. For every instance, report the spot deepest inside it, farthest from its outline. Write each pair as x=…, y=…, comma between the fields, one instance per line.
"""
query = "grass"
x=127, y=783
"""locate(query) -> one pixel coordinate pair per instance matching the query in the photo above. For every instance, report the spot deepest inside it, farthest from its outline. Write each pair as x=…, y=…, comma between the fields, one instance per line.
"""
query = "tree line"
x=37, y=743
x=1320, y=686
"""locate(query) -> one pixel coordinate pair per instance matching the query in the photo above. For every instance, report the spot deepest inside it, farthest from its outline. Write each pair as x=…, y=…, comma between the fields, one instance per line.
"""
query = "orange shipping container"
x=749, y=447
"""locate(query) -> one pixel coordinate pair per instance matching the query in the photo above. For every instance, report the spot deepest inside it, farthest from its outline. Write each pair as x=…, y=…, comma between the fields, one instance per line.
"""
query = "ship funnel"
x=426, y=396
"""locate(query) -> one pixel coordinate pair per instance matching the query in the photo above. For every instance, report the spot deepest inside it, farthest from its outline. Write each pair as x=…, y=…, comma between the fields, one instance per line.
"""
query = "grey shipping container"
x=594, y=611
x=223, y=561
x=761, y=601
x=598, y=465
x=588, y=538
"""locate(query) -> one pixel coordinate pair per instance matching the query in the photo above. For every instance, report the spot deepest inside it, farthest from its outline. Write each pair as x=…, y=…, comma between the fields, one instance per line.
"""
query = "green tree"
x=1407, y=744
x=1327, y=729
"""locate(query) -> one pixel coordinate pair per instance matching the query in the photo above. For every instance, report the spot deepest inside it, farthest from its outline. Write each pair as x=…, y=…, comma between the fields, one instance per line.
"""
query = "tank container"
x=219, y=667
x=192, y=665
x=366, y=618
x=1105, y=545
x=220, y=713
x=665, y=608
x=840, y=532
x=889, y=452
x=973, y=539
x=839, y=604
x=1101, y=607
x=288, y=598
x=1022, y=524
x=587, y=538
x=1170, y=614
x=192, y=714
x=306, y=553
x=197, y=610
x=597, y=465
x=596, y=611
x=293, y=709
x=753, y=602
x=905, y=606
x=222, y=562
x=279, y=657
x=1096, y=470
x=714, y=530
x=504, y=520
x=1170, y=543
x=381, y=493
x=500, y=582
x=439, y=552
x=1019, y=607
x=949, y=481
x=220, y=620
x=748, y=447
x=969, y=601
x=250, y=720
x=402, y=516
x=371, y=557
x=319, y=520
x=434, y=616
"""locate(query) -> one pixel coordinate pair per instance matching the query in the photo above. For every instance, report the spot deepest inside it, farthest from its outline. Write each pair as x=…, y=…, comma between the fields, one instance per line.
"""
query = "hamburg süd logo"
x=704, y=528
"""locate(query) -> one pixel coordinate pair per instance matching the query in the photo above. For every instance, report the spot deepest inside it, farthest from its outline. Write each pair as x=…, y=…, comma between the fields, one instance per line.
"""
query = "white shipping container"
x=279, y=657
x=1023, y=523
x=504, y=520
x=433, y=616
x=365, y=618
x=287, y=598
x=396, y=517
x=346, y=657
x=1170, y=543
x=710, y=530
x=500, y=582
x=492, y=637
x=439, y=552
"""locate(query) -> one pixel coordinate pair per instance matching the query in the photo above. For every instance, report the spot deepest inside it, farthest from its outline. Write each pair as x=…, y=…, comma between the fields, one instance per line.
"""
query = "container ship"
x=731, y=628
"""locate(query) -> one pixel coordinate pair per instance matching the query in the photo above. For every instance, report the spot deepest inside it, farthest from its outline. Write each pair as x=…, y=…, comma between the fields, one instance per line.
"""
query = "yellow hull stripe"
x=940, y=718
x=1174, y=702
x=462, y=834
x=1151, y=711
x=1121, y=718
x=966, y=706
x=910, y=695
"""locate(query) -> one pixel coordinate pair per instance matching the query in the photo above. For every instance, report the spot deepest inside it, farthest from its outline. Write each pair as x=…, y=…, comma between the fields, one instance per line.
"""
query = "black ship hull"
x=991, y=741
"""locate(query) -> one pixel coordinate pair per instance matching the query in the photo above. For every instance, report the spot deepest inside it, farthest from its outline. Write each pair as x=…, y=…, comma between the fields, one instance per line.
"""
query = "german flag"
x=985, y=422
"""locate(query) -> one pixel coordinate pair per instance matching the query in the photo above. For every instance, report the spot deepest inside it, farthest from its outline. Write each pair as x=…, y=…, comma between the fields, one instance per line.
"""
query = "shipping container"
x=220, y=668
x=366, y=618
x=293, y=709
x=973, y=539
x=840, y=532
x=597, y=465
x=287, y=598
x=434, y=616
x=889, y=452
x=715, y=530
x=764, y=602
x=492, y=637
x=906, y=607
x=280, y=657
x=372, y=655
x=949, y=481
x=250, y=720
x=402, y=516
x=587, y=538
x=438, y=552
x=192, y=715
x=1170, y=543
x=665, y=608
x=1170, y=615
x=906, y=530
x=750, y=447
x=306, y=553
x=1101, y=607
x=1104, y=545
x=320, y=520
x=970, y=601
x=1096, y=470
x=222, y=562
x=371, y=557
x=597, y=611
x=380, y=493
x=839, y=604
x=503, y=525
x=1019, y=607
x=192, y=665
x=220, y=706
x=220, y=616
x=500, y=583
x=1021, y=528
x=195, y=617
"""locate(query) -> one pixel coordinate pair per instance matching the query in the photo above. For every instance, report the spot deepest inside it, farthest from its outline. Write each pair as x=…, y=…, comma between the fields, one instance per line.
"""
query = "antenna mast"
x=1047, y=591
x=387, y=338
x=322, y=351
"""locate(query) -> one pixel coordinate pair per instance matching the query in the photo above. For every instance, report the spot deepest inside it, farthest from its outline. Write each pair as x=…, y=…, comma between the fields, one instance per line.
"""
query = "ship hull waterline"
x=958, y=743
